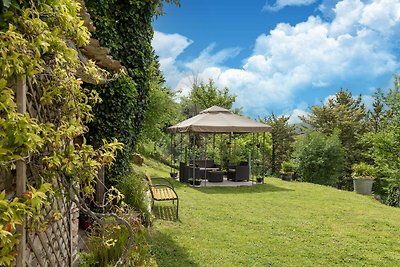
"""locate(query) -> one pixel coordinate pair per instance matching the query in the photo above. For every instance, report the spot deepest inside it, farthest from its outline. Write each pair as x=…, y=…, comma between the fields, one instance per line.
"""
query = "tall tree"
x=204, y=95
x=282, y=140
x=385, y=147
x=348, y=115
x=377, y=114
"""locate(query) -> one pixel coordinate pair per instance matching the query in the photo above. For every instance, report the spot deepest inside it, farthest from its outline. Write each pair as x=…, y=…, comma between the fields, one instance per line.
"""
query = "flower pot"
x=363, y=186
x=195, y=182
x=287, y=176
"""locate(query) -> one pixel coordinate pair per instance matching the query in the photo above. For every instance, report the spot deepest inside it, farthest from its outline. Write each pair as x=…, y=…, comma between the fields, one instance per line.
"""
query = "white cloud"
x=279, y=4
x=294, y=117
x=168, y=47
x=356, y=45
x=207, y=59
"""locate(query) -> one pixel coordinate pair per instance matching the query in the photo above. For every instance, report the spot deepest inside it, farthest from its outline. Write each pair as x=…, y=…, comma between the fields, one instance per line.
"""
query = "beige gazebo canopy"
x=219, y=120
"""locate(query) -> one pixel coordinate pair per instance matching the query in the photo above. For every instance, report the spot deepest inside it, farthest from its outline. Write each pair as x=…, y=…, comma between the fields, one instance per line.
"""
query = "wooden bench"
x=163, y=192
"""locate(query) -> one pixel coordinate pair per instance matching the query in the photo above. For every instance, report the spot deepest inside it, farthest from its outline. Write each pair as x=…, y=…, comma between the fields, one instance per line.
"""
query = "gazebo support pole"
x=205, y=153
x=214, y=147
x=193, y=160
x=252, y=157
x=230, y=147
x=263, y=151
x=181, y=152
x=172, y=156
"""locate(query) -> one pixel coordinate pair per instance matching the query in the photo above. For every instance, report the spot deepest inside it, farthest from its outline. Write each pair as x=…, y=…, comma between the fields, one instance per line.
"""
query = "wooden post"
x=263, y=156
x=100, y=188
x=21, y=173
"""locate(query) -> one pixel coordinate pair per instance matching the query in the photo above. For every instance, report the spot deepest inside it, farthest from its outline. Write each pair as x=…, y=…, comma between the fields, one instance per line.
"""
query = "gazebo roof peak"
x=214, y=109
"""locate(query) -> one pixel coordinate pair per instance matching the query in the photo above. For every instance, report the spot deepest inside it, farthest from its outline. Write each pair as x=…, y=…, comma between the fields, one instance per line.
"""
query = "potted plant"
x=192, y=181
x=287, y=170
x=259, y=178
x=363, y=178
x=173, y=172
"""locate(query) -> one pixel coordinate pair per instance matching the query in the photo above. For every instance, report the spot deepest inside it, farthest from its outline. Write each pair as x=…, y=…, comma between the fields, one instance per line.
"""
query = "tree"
x=319, y=158
x=204, y=95
x=385, y=146
x=282, y=140
x=377, y=114
x=348, y=115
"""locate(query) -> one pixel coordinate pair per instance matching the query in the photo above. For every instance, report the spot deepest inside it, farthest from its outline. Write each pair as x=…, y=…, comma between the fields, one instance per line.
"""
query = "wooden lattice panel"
x=56, y=245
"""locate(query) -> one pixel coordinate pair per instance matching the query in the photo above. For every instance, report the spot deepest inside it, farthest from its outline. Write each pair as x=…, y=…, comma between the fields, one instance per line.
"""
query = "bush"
x=393, y=196
x=320, y=158
x=135, y=190
x=288, y=167
x=106, y=244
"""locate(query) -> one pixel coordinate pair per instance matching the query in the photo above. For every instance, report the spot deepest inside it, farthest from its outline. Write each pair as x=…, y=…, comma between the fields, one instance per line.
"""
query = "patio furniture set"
x=212, y=172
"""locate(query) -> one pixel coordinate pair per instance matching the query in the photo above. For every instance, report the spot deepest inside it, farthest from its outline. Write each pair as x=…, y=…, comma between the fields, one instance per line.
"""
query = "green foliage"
x=125, y=27
x=162, y=111
x=33, y=47
x=363, y=170
x=205, y=95
x=319, y=158
x=288, y=167
x=14, y=211
x=282, y=135
x=384, y=145
x=135, y=190
x=115, y=118
x=107, y=243
x=376, y=116
x=348, y=115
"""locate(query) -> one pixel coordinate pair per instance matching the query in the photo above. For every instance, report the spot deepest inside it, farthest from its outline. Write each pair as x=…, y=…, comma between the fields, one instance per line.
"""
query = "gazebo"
x=217, y=120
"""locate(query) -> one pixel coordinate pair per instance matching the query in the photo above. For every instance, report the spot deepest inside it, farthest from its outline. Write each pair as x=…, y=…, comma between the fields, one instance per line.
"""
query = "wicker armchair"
x=241, y=173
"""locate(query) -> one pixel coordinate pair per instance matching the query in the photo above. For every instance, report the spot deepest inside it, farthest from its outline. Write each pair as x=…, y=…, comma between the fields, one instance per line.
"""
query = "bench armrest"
x=163, y=179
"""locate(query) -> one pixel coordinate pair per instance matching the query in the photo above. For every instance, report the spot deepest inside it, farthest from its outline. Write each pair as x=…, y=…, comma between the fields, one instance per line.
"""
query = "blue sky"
x=280, y=56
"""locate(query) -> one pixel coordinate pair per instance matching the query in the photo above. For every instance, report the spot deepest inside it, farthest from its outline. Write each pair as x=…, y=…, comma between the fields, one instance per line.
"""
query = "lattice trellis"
x=56, y=245
x=53, y=244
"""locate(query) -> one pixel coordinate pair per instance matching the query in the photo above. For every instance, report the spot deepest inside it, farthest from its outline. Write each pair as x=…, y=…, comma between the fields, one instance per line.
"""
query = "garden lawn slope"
x=280, y=224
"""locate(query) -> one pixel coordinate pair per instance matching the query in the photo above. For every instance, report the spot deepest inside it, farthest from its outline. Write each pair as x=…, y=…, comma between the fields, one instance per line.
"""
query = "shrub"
x=320, y=158
x=107, y=242
x=287, y=167
x=136, y=196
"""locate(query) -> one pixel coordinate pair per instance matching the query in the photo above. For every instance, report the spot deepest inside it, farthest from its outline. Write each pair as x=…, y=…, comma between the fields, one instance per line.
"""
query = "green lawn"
x=280, y=224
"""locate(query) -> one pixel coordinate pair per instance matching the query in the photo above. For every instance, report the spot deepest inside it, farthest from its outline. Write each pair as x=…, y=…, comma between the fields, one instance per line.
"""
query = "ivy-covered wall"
x=125, y=28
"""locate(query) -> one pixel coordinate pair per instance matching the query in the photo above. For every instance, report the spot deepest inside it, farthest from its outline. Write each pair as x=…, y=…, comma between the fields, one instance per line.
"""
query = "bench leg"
x=177, y=208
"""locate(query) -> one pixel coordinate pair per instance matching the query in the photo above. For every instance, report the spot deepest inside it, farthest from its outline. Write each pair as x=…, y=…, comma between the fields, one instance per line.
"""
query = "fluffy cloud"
x=355, y=45
x=168, y=47
x=296, y=113
x=279, y=4
x=208, y=59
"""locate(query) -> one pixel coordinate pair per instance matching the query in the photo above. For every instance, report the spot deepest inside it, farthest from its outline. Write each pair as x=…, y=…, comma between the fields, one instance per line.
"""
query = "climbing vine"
x=125, y=27
x=38, y=41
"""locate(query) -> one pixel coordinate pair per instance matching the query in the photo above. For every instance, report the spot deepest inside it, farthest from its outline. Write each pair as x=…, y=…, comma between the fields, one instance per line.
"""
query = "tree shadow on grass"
x=169, y=253
x=259, y=188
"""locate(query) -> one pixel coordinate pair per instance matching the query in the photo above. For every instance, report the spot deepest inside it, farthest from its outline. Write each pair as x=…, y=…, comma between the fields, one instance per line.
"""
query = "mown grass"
x=279, y=224
x=153, y=168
